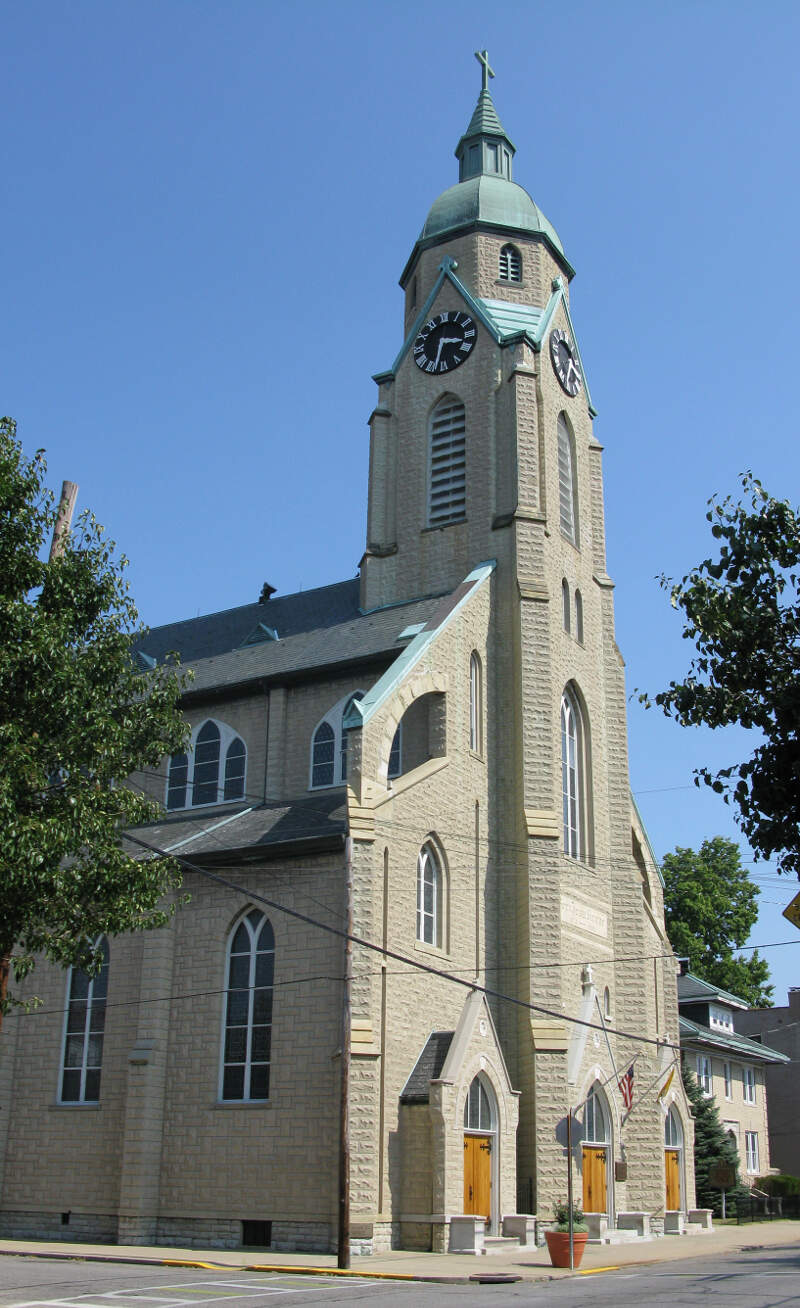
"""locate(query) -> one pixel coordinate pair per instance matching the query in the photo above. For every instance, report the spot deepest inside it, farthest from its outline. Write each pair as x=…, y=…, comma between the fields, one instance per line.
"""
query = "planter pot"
x=558, y=1247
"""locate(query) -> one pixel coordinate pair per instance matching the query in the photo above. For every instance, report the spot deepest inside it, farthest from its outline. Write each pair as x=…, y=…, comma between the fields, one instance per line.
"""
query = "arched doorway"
x=480, y=1138
x=596, y=1152
x=673, y=1151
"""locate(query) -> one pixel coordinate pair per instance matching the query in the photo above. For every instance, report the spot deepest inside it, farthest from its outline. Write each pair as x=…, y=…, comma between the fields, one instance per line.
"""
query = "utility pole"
x=343, y=1257
x=66, y=508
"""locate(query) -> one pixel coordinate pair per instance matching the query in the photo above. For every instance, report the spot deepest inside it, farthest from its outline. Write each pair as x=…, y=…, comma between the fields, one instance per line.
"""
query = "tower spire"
x=484, y=148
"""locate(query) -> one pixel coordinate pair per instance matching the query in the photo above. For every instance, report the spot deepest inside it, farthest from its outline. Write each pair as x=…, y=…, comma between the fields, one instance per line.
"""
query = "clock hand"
x=438, y=352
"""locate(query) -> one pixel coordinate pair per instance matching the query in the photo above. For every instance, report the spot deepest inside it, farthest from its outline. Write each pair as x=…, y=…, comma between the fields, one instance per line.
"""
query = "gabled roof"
x=694, y=990
x=695, y=1034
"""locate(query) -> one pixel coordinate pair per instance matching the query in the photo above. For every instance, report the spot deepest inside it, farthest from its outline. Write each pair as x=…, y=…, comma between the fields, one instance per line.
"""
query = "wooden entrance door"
x=595, y=1192
x=478, y=1175
x=672, y=1170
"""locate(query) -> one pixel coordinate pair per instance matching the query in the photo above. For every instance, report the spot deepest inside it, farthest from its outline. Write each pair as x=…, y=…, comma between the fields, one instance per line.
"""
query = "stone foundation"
x=93, y=1228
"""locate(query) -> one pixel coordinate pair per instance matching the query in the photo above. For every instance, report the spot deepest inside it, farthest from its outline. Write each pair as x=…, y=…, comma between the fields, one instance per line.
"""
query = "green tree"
x=712, y=1144
x=710, y=908
x=742, y=611
x=76, y=718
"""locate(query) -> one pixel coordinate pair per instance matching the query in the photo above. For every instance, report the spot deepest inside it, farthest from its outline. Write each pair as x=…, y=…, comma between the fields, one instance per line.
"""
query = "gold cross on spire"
x=482, y=57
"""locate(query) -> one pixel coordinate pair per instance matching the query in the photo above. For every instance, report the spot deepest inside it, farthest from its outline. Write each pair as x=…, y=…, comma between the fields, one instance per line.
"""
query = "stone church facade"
x=448, y=733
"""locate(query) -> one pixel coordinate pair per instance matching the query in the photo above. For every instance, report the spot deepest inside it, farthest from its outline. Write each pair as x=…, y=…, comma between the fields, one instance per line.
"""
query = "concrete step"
x=499, y=1244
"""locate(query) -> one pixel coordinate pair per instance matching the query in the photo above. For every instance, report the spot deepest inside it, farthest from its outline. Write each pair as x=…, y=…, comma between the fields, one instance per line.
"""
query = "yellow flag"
x=665, y=1087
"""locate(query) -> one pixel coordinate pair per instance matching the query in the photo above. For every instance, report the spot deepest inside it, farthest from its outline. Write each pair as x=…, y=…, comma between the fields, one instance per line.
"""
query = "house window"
x=749, y=1085
x=83, y=1033
x=751, y=1150
x=447, y=481
x=573, y=779
x=329, y=745
x=567, y=486
x=565, y=605
x=510, y=264
x=721, y=1018
x=578, y=617
x=726, y=1072
x=248, y=1010
x=704, y=1073
x=429, y=896
x=213, y=770
x=475, y=704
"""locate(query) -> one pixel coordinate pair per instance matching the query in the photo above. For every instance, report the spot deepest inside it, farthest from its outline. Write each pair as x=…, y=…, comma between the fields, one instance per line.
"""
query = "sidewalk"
x=530, y=1264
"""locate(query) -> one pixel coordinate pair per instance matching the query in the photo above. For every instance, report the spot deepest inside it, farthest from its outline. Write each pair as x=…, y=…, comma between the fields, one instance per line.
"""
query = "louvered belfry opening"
x=510, y=264
x=448, y=463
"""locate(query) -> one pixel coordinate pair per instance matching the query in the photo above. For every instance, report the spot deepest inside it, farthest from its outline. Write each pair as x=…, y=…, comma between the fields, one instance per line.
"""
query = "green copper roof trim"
x=742, y=1045
x=445, y=273
x=557, y=297
x=363, y=710
x=484, y=122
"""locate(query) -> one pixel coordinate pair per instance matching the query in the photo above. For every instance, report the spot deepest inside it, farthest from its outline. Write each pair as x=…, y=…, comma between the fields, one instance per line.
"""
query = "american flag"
x=626, y=1087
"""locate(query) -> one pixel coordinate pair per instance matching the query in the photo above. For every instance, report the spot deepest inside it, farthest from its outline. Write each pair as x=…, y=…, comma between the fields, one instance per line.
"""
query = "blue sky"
x=206, y=209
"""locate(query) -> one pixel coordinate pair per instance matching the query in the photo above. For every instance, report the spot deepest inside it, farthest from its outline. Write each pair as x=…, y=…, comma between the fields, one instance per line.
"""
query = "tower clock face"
x=565, y=363
x=445, y=342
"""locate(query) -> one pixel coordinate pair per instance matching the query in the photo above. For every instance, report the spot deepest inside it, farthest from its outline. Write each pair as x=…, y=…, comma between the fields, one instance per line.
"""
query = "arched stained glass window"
x=234, y=769
x=323, y=755
x=206, y=764
x=595, y=1125
x=83, y=1033
x=475, y=703
x=177, y=781
x=478, y=1108
x=395, y=767
x=246, y=1054
x=573, y=777
x=429, y=895
x=673, y=1135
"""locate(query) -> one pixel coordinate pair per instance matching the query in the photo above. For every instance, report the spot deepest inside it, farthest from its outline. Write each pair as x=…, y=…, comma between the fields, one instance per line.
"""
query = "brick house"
x=449, y=728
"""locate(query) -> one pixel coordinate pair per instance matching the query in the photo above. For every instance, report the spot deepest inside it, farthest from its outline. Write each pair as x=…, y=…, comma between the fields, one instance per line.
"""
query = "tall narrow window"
x=323, y=755
x=177, y=781
x=567, y=490
x=246, y=1054
x=704, y=1074
x=83, y=1035
x=478, y=1114
x=749, y=1085
x=579, y=617
x=573, y=778
x=396, y=754
x=234, y=770
x=206, y=764
x=565, y=604
x=510, y=264
x=751, y=1150
x=447, y=485
x=429, y=896
x=475, y=704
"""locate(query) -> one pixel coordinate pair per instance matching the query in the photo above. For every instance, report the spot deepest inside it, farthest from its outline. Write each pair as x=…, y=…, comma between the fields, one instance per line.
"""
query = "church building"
x=439, y=748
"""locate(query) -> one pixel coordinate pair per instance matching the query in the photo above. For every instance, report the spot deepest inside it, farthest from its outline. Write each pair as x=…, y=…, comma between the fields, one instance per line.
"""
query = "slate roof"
x=692, y=989
x=427, y=1068
x=269, y=830
x=316, y=629
x=695, y=1034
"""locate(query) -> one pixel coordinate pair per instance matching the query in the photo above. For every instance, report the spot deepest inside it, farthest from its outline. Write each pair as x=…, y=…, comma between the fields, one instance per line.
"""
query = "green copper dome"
x=491, y=201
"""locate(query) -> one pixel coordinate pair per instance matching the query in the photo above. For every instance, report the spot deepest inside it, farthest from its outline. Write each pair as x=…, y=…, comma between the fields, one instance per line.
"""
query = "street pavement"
x=529, y=1264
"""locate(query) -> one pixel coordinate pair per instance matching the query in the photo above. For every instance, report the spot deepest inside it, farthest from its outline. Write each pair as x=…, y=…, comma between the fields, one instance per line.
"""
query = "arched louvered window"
x=475, y=703
x=429, y=896
x=322, y=754
x=578, y=617
x=567, y=486
x=573, y=777
x=246, y=1052
x=565, y=604
x=447, y=481
x=510, y=264
x=83, y=1033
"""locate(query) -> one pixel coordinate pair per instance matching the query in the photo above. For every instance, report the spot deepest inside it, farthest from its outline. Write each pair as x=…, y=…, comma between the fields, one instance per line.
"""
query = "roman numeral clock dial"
x=445, y=342
x=565, y=362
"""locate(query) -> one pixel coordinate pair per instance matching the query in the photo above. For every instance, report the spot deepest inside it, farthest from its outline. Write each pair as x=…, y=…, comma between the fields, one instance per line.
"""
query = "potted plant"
x=558, y=1238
